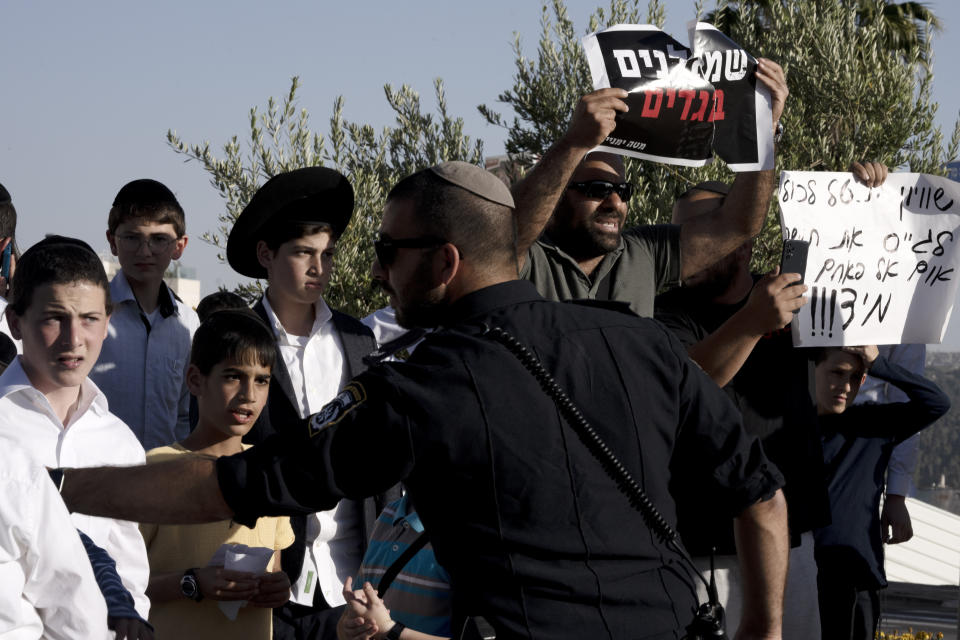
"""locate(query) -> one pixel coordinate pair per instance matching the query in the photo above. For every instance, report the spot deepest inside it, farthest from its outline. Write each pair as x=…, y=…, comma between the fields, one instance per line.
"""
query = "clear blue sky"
x=89, y=89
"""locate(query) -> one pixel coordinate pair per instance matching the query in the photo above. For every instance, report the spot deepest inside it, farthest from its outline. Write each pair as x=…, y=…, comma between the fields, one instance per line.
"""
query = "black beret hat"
x=52, y=239
x=4, y=195
x=311, y=195
x=144, y=192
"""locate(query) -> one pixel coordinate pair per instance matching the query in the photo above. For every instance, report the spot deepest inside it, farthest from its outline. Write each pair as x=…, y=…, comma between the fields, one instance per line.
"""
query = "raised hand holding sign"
x=687, y=103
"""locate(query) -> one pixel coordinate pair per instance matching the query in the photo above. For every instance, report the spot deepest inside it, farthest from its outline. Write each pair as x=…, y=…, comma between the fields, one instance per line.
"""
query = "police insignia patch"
x=352, y=396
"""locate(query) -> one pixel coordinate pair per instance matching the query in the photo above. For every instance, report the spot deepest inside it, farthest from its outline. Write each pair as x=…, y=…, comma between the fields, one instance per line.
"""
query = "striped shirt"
x=419, y=596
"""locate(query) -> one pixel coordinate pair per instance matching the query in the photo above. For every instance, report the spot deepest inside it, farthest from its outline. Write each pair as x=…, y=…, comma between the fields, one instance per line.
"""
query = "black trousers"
x=295, y=621
x=847, y=613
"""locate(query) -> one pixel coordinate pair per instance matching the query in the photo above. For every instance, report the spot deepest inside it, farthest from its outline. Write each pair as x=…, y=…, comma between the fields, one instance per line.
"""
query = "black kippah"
x=4, y=195
x=55, y=240
x=144, y=192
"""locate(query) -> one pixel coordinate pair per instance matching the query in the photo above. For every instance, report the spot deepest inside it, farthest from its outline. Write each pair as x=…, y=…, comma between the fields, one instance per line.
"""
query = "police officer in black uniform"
x=535, y=535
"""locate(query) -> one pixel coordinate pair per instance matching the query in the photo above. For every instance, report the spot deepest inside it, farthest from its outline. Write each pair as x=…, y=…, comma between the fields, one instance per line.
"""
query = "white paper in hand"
x=240, y=557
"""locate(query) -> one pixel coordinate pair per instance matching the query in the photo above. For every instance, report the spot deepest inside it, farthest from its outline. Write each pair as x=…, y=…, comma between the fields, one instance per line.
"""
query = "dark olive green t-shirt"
x=647, y=260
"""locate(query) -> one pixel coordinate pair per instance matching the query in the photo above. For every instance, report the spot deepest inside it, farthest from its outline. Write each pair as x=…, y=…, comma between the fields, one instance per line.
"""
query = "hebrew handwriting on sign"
x=882, y=262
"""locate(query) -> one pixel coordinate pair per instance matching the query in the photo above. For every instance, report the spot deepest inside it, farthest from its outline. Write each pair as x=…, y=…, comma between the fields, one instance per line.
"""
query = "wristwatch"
x=190, y=586
x=395, y=631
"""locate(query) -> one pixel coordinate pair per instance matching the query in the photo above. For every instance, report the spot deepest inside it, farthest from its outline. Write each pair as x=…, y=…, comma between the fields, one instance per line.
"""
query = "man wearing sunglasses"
x=571, y=210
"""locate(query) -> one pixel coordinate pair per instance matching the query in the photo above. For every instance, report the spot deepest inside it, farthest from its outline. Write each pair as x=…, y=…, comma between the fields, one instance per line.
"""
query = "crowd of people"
x=553, y=415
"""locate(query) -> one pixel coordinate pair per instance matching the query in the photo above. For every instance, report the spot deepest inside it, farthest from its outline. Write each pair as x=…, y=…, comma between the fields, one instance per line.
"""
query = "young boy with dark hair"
x=229, y=374
x=287, y=234
x=218, y=301
x=857, y=443
x=60, y=309
x=144, y=360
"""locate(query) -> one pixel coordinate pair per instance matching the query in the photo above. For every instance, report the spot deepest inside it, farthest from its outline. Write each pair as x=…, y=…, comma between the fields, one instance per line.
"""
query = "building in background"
x=953, y=170
x=183, y=280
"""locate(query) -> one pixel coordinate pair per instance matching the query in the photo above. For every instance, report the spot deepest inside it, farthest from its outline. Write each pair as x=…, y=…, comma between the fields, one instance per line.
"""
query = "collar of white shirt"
x=15, y=381
x=120, y=292
x=322, y=315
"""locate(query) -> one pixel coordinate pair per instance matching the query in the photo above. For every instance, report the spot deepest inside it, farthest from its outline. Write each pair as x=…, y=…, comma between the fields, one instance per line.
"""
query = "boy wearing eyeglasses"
x=287, y=235
x=142, y=367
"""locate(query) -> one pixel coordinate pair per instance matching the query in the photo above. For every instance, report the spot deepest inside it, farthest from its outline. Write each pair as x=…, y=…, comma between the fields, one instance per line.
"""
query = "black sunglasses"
x=386, y=247
x=601, y=189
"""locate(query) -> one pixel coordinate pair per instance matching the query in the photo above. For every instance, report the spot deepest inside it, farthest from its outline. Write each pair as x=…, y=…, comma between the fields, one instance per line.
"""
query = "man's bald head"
x=467, y=206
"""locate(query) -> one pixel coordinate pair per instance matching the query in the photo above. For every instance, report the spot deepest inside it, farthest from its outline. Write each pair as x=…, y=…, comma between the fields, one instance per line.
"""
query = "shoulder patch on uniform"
x=352, y=396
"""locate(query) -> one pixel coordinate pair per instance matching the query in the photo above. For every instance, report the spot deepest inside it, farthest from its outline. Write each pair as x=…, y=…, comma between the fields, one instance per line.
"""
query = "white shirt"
x=318, y=370
x=317, y=359
x=143, y=371
x=47, y=588
x=383, y=323
x=93, y=437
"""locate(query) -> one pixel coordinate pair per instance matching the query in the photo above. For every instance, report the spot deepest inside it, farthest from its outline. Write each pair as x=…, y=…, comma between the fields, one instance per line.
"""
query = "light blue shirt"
x=142, y=366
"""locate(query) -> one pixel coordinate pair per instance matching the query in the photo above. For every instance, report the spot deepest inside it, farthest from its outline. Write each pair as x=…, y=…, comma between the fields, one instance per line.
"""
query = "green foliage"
x=905, y=27
x=546, y=90
x=855, y=93
x=280, y=140
x=858, y=73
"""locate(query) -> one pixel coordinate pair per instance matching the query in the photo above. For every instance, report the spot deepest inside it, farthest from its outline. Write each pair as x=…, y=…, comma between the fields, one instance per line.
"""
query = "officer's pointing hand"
x=595, y=118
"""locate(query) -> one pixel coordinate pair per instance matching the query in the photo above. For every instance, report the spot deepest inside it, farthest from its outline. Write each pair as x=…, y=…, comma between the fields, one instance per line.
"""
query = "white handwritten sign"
x=883, y=263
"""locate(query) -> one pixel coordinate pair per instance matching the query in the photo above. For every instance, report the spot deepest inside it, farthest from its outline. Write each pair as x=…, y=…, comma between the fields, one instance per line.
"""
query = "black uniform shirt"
x=774, y=392
x=535, y=536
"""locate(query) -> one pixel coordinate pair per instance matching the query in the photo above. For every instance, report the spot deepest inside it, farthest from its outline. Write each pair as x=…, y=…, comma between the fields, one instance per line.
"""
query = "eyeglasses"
x=386, y=247
x=157, y=243
x=601, y=189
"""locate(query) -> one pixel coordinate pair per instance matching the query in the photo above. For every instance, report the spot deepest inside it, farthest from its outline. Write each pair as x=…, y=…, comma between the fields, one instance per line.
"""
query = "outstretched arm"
x=770, y=307
x=706, y=239
x=536, y=196
x=182, y=491
x=763, y=546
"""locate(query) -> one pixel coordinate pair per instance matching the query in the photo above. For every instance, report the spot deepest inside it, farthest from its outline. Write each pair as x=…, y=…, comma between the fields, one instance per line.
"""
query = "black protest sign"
x=685, y=105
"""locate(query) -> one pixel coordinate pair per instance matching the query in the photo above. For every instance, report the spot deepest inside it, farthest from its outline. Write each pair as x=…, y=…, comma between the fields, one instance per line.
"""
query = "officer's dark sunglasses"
x=601, y=189
x=386, y=247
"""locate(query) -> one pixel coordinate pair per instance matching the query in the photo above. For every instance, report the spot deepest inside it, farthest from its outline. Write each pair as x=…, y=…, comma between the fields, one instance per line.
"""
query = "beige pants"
x=801, y=612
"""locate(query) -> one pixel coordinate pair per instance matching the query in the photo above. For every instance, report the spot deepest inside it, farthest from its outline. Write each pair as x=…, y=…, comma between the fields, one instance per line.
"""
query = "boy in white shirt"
x=287, y=234
x=60, y=309
x=47, y=588
x=143, y=364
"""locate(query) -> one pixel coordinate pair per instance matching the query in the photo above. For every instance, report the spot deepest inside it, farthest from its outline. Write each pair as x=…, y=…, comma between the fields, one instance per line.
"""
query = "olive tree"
x=854, y=94
x=280, y=139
